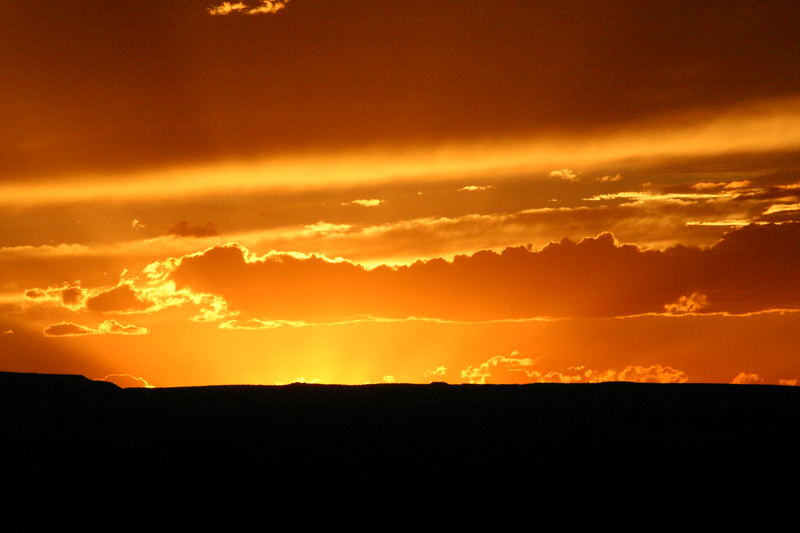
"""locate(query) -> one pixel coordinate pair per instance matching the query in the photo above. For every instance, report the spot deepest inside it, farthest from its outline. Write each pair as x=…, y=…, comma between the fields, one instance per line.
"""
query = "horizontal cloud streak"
x=109, y=327
x=755, y=268
x=752, y=129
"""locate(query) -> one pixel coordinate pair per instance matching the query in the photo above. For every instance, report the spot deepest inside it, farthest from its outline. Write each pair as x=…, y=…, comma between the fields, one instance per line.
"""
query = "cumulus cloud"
x=788, y=382
x=751, y=269
x=517, y=369
x=71, y=296
x=687, y=304
x=439, y=371
x=513, y=364
x=109, y=327
x=610, y=179
x=565, y=174
x=747, y=378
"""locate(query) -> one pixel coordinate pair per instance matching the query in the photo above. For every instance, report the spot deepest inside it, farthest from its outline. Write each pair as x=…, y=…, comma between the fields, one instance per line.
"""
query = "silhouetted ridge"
x=92, y=445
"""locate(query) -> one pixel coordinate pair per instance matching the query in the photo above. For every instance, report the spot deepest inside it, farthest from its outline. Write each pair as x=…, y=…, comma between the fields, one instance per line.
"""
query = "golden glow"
x=763, y=127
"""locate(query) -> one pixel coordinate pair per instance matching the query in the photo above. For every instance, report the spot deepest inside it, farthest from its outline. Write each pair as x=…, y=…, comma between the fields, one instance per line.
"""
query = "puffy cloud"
x=109, y=327
x=113, y=327
x=565, y=174
x=747, y=378
x=516, y=369
x=438, y=371
x=687, y=304
x=67, y=329
x=751, y=269
x=513, y=364
x=610, y=179
x=652, y=374
x=788, y=382
x=71, y=296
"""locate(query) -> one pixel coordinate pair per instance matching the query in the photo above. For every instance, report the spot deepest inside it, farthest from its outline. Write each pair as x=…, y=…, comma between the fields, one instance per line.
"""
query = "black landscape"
x=73, y=443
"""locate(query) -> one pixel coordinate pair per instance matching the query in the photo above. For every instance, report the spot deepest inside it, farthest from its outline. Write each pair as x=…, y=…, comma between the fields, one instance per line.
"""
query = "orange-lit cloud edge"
x=761, y=127
x=184, y=281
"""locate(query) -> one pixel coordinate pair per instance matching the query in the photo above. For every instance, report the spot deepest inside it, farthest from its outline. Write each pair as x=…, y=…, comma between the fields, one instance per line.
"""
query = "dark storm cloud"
x=92, y=85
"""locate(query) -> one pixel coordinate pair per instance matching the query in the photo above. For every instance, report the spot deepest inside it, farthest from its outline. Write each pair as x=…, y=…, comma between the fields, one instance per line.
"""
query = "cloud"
x=67, y=329
x=109, y=327
x=438, y=371
x=123, y=298
x=369, y=202
x=265, y=7
x=516, y=369
x=127, y=381
x=184, y=229
x=781, y=208
x=565, y=174
x=687, y=304
x=475, y=188
x=789, y=382
x=513, y=364
x=639, y=196
x=610, y=178
x=226, y=8
x=268, y=6
x=751, y=269
x=747, y=378
x=71, y=296
x=325, y=228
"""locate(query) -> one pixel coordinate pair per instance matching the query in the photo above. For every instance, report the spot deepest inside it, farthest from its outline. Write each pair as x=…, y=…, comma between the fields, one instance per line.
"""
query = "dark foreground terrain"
x=69, y=442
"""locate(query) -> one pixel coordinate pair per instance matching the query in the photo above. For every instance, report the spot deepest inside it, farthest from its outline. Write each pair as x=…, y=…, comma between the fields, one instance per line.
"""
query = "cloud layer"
x=751, y=269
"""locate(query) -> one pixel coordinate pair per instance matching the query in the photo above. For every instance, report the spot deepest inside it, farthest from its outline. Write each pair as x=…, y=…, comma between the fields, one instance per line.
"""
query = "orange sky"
x=362, y=191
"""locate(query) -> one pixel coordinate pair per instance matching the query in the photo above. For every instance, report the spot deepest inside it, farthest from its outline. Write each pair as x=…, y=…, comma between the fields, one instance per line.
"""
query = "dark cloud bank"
x=752, y=269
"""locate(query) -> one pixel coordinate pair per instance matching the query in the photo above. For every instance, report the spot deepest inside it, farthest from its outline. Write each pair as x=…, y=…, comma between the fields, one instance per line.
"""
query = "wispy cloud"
x=109, y=327
x=475, y=188
x=366, y=202
x=265, y=7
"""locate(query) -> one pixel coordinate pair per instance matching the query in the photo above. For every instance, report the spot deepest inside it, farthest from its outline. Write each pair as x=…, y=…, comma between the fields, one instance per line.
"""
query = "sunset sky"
x=196, y=192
